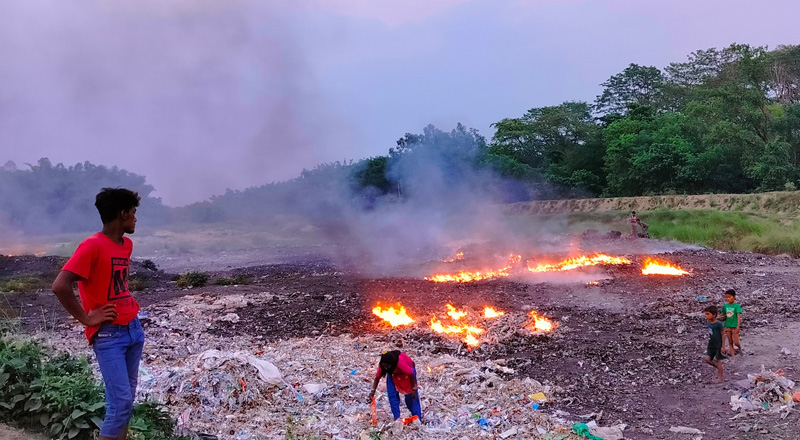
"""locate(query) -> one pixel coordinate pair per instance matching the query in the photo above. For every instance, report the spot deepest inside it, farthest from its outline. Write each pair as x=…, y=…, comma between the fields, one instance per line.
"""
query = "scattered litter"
x=769, y=389
x=508, y=433
x=582, y=430
x=230, y=317
x=408, y=420
x=685, y=430
x=786, y=351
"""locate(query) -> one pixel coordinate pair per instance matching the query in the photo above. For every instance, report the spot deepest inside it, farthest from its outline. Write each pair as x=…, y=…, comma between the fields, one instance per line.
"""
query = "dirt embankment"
x=773, y=202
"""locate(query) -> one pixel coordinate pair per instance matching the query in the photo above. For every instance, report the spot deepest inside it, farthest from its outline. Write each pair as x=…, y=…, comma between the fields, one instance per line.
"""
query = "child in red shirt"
x=401, y=378
x=100, y=266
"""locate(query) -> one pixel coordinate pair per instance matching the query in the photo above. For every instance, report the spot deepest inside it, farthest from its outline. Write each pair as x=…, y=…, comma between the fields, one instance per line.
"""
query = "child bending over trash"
x=713, y=355
x=401, y=378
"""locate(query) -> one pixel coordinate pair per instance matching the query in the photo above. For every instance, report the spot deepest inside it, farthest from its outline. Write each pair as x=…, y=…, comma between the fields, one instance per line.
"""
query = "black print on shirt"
x=118, y=288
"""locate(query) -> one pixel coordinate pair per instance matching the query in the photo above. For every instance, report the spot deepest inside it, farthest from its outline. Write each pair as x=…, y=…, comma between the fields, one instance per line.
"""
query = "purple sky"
x=204, y=95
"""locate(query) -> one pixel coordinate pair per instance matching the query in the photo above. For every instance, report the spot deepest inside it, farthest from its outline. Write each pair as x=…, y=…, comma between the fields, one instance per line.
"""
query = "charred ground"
x=630, y=347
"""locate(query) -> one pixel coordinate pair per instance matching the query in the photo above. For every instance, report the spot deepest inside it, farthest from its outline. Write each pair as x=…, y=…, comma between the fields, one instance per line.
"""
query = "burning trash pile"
x=469, y=327
x=534, y=266
x=769, y=390
x=306, y=391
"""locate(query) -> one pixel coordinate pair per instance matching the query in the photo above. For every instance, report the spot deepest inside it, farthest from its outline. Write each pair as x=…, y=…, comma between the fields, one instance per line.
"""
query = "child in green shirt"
x=733, y=319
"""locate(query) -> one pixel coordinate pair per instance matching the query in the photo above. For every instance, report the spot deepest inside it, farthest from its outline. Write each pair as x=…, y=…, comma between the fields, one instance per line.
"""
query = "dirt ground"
x=629, y=347
x=8, y=433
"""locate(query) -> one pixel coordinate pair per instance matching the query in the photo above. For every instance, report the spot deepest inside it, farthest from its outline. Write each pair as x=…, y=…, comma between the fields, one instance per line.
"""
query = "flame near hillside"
x=655, y=267
x=577, y=262
x=568, y=264
x=467, y=276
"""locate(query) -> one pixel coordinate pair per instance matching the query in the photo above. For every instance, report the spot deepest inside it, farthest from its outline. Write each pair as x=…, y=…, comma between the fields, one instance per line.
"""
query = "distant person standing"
x=107, y=310
x=732, y=311
x=634, y=224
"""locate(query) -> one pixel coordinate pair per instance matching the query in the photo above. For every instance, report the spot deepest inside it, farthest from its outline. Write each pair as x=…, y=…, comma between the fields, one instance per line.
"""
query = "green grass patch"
x=192, y=279
x=771, y=234
x=22, y=284
x=237, y=280
x=136, y=284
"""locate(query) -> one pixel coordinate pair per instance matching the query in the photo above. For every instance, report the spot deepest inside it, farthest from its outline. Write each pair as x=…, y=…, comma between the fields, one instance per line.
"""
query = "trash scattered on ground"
x=685, y=430
x=769, y=390
x=239, y=387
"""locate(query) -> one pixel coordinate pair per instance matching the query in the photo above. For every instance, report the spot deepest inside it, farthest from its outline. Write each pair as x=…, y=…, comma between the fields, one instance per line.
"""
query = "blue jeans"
x=412, y=400
x=119, y=349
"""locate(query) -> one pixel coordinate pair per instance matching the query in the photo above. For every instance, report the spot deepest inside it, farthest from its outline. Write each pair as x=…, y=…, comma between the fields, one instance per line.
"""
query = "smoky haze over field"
x=200, y=96
x=195, y=96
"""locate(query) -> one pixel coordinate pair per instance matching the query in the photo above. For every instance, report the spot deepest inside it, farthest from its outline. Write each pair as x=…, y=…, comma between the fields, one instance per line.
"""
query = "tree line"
x=47, y=198
x=723, y=121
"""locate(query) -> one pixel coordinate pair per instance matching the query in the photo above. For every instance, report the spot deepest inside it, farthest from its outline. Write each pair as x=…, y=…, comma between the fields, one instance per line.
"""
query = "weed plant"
x=22, y=284
x=193, y=279
x=59, y=395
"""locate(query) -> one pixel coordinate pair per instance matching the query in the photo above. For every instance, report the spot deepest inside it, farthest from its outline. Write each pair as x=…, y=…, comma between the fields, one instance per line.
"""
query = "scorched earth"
x=600, y=344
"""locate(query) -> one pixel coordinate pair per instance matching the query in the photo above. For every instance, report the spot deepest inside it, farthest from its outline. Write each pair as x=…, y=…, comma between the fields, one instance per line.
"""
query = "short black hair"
x=110, y=202
x=711, y=309
x=731, y=292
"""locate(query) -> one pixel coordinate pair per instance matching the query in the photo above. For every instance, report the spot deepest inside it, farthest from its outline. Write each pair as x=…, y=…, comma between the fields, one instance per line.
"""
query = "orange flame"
x=539, y=323
x=654, y=267
x=574, y=263
x=472, y=341
x=466, y=276
x=593, y=283
x=468, y=330
x=454, y=312
x=392, y=316
x=459, y=256
x=490, y=312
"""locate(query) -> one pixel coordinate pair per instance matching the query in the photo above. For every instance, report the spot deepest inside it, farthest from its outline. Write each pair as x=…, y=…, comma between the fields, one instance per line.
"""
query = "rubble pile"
x=241, y=387
x=768, y=390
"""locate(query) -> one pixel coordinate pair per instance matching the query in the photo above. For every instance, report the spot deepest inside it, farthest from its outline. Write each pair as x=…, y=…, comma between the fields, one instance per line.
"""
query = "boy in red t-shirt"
x=100, y=266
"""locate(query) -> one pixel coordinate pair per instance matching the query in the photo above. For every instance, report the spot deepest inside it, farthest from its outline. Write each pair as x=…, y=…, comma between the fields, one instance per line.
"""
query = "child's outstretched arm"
x=374, y=387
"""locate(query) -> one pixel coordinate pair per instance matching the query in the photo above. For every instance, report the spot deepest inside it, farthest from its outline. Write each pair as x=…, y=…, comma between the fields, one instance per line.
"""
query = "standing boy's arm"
x=62, y=287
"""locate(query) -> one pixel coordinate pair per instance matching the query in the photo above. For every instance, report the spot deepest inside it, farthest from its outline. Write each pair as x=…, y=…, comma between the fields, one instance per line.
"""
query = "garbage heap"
x=319, y=386
x=768, y=390
x=241, y=387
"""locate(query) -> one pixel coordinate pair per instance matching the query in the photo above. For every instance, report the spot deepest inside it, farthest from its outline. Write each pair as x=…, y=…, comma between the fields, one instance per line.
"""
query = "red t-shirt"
x=403, y=374
x=104, y=267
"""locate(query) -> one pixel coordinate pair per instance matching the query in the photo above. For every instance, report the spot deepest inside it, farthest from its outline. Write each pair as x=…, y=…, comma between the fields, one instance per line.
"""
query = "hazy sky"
x=200, y=96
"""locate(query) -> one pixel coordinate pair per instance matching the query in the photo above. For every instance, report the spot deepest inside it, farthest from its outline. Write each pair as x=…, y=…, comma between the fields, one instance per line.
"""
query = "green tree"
x=641, y=85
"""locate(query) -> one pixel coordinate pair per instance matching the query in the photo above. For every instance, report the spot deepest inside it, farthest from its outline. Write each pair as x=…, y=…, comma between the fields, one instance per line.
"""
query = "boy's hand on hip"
x=106, y=313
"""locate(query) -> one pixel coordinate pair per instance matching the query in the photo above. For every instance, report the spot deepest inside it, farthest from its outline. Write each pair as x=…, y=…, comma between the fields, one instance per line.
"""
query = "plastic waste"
x=685, y=430
x=267, y=372
x=581, y=430
x=538, y=397
x=483, y=423
x=408, y=420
